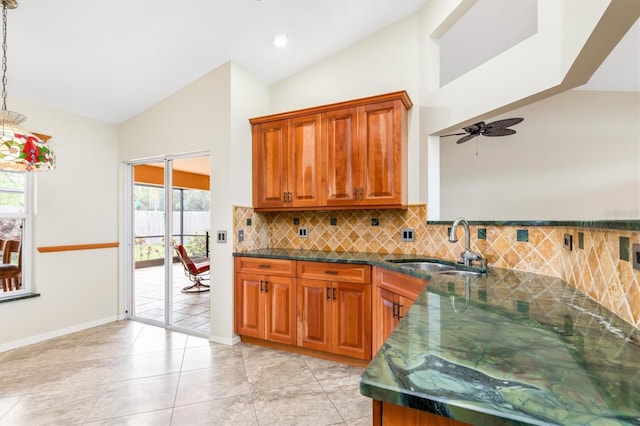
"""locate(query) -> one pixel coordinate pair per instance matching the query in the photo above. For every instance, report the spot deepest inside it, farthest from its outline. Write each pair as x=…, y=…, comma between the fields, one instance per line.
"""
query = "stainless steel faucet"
x=467, y=256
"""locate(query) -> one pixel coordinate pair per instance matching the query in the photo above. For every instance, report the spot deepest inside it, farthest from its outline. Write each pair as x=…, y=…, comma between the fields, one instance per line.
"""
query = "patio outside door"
x=160, y=291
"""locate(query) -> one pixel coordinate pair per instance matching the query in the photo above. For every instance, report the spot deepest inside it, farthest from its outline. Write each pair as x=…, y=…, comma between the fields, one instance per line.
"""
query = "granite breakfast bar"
x=521, y=348
x=504, y=348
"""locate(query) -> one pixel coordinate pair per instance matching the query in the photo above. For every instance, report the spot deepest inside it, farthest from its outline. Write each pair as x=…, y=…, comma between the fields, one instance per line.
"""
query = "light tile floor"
x=129, y=373
x=190, y=311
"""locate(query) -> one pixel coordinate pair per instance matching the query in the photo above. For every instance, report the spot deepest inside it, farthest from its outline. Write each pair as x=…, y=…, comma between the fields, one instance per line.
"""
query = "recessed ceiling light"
x=280, y=40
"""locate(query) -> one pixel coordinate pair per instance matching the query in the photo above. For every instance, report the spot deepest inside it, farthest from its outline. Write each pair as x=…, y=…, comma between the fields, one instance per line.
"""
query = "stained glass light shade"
x=21, y=150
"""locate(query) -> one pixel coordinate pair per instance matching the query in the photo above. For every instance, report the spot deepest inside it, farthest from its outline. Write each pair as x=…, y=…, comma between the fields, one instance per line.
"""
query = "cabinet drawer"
x=259, y=265
x=399, y=283
x=342, y=272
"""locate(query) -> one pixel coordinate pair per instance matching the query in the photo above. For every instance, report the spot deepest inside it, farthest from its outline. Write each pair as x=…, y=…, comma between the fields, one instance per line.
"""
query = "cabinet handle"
x=361, y=193
x=261, y=289
x=284, y=197
x=330, y=272
x=266, y=286
x=264, y=266
x=289, y=196
x=355, y=194
x=328, y=293
x=399, y=316
x=334, y=293
x=393, y=310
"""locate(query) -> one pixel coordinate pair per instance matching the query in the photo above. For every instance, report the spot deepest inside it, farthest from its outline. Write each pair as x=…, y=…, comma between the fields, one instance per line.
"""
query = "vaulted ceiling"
x=111, y=60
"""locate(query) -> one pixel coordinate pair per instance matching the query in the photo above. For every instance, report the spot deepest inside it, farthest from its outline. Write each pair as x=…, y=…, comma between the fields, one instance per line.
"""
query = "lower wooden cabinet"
x=335, y=317
x=320, y=306
x=265, y=304
x=386, y=414
x=394, y=295
x=334, y=308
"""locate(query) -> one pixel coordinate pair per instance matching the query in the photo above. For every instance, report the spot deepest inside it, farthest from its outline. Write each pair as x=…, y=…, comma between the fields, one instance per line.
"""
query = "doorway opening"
x=160, y=288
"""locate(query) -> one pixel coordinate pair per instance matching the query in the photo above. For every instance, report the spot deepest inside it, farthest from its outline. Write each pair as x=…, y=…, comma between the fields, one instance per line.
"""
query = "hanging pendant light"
x=20, y=150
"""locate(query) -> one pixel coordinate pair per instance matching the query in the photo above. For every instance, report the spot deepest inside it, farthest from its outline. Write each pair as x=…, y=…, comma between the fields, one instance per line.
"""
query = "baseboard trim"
x=55, y=333
x=225, y=340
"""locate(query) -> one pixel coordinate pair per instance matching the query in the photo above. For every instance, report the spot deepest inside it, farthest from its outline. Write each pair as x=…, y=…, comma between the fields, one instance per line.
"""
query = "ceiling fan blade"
x=454, y=134
x=499, y=132
x=503, y=124
x=466, y=138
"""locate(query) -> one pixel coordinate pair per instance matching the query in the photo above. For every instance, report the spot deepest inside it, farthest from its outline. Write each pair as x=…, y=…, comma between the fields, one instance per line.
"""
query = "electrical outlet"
x=635, y=253
x=222, y=237
x=568, y=242
x=407, y=235
x=303, y=232
x=240, y=235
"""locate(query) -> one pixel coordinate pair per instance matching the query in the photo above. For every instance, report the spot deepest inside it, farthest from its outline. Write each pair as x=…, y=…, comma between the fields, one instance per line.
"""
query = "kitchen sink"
x=427, y=266
x=461, y=272
x=434, y=265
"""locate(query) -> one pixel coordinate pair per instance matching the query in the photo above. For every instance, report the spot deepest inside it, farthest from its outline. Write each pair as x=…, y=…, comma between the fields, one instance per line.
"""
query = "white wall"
x=211, y=114
x=576, y=156
x=385, y=62
x=76, y=204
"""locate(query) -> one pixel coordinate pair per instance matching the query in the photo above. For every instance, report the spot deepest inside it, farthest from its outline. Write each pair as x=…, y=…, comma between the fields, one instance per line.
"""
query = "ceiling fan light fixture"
x=20, y=150
x=495, y=128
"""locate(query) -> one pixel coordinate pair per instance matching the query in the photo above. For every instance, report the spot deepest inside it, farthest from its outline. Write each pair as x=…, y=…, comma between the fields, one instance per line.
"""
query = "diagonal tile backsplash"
x=596, y=269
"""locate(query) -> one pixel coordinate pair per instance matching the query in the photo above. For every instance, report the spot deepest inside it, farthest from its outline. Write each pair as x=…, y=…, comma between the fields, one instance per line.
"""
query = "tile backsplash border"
x=595, y=269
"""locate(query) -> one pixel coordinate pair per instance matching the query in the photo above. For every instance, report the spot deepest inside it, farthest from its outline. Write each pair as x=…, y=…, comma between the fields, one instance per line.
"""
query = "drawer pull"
x=330, y=272
x=264, y=266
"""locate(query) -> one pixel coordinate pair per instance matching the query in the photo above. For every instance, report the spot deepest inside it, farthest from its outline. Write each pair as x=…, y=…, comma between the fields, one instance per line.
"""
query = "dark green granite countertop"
x=507, y=348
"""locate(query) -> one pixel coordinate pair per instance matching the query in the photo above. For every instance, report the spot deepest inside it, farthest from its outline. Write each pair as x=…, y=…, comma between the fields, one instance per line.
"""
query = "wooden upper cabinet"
x=347, y=155
x=340, y=156
x=270, y=164
x=304, y=161
x=382, y=154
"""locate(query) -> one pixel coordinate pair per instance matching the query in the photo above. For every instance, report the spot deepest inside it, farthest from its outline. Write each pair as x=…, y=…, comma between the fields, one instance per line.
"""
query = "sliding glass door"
x=168, y=254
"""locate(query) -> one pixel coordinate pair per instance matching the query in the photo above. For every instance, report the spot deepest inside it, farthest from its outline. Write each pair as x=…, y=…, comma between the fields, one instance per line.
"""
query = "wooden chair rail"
x=74, y=247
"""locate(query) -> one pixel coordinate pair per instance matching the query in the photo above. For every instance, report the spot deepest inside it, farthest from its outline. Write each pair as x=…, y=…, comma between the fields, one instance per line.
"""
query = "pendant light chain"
x=4, y=56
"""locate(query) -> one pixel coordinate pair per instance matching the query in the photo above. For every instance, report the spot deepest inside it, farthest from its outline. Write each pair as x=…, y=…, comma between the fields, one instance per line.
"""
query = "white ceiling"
x=113, y=59
x=110, y=60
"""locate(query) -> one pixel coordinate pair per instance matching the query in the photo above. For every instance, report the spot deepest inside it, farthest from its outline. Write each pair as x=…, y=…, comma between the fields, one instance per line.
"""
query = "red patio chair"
x=195, y=268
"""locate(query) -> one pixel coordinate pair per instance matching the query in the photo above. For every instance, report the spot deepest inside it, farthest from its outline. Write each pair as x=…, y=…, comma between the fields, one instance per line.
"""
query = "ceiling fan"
x=495, y=128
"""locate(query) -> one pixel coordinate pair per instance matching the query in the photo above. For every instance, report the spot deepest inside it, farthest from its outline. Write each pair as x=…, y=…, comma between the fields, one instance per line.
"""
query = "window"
x=15, y=220
x=190, y=218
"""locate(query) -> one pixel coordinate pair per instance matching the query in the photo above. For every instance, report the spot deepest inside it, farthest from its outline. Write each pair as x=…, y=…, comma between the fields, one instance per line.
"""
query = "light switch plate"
x=222, y=237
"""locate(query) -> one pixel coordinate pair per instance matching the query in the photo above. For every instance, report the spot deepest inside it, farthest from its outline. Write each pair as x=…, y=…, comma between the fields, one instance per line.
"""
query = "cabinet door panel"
x=270, y=156
x=385, y=321
x=304, y=161
x=280, y=309
x=249, y=305
x=314, y=309
x=380, y=137
x=351, y=317
x=340, y=158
